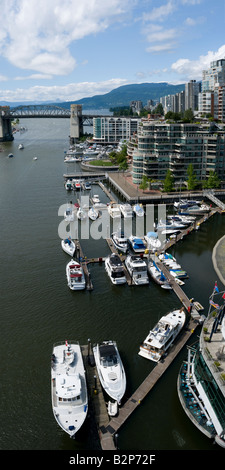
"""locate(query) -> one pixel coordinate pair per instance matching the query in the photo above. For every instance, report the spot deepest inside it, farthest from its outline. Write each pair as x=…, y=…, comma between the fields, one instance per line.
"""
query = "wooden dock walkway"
x=107, y=433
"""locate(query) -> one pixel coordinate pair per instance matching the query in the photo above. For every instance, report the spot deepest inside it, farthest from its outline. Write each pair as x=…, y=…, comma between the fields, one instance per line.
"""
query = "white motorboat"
x=87, y=185
x=68, y=387
x=81, y=214
x=120, y=241
x=152, y=240
x=115, y=270
x=75, y=275
x=68, y=246
x=114, y=211
x=138, y=210
x=162, y=336
x=93, y=213
x=158, y=276
x=10, y=155
x=184, y=219
x=95, y=199
x=69, y=185
x=110, y=369
x=137, y=269
x=195, y=209
x=126, y=210
x=20, y=146
x=71, y=159
x=69, y=214
x=170, y=225
x=184, y=203
x=77, y=185
x=137, y=244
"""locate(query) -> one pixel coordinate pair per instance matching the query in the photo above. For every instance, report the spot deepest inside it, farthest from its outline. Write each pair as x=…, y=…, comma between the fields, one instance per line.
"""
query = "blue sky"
x=69, y=49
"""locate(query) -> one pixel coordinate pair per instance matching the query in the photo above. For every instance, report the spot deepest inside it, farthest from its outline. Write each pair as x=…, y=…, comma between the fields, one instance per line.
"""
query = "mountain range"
x=121, y=96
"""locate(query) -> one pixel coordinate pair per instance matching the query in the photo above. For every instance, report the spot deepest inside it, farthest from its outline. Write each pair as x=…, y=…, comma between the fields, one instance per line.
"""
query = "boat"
x=20, y=146
x=69, y=214
x=184, y=219
x=95, y=198
x=126, y=210
x=110, y=369
x=137, y=269
x=162, y=336
x=169, y=225
x=68, y=246
x=152, y=240
x=112, y=408
x=75, y=275
x=10, y=155
x=77, y=185
x=81, y=214
x=157, y=275
x=71, y=159
x=68, y=185
x=195, y=209
x=138, y=210
x=120, y=241
x=35, y=158
x=184, y=203
x=115, y=270
x=93, y=213
x=87, y=185
x=137, y=244
x=114, y=211
x=68, y=387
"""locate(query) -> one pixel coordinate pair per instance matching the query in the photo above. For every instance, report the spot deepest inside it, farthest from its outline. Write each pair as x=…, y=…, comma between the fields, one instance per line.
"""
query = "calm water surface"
x=38, y=309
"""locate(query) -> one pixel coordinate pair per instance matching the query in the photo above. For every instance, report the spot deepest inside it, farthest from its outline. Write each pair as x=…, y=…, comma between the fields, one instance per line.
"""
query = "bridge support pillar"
x=76, y=126
x=5, y=124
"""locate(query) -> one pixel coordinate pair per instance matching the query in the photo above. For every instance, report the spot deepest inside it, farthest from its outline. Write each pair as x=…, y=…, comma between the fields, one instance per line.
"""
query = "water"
x=38, y=309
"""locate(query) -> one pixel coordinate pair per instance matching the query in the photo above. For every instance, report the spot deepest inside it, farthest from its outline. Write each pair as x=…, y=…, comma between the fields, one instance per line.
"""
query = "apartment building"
x=212, y=97
x=114, y=129
x=192, y=89
x=158, y=147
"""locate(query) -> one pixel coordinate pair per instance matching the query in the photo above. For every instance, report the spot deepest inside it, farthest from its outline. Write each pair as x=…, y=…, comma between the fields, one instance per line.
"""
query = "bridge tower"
x=5, y=124
x=76, y=125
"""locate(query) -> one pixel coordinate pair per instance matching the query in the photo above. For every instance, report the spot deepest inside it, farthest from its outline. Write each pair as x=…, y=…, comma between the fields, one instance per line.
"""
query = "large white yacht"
x=137, y=269
x=68, y=387
x=75, y=275
x=115, y=270
x=110, y=369
x=162, y=336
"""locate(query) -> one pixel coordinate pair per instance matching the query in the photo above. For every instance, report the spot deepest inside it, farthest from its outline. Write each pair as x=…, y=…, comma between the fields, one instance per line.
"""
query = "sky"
x=65, y=50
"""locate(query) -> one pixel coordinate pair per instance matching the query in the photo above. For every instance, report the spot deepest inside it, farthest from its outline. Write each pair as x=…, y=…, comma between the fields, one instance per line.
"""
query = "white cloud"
x=166, y=47
x=37, y=35
x=192, y=69
x=160, y=13
x=70, y=92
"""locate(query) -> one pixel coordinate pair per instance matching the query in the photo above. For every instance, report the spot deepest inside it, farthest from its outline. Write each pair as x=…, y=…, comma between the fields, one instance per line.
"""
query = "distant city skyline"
x=62, y=50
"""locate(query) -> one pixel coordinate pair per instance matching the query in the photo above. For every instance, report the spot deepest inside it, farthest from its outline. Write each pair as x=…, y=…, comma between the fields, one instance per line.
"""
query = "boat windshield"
x=108, y=356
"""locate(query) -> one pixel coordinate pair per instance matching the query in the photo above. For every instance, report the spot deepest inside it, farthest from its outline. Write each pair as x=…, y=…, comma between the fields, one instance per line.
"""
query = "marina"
x=41, y=310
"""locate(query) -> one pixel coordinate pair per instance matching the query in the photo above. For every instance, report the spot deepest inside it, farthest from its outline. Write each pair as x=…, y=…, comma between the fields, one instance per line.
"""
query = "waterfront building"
x=201, y=381
x=136, y=106
x=111, y=130
x=159, y=146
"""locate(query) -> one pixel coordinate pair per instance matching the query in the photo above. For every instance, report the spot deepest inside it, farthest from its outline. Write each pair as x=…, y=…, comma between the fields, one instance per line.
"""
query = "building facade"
x=111, y=130
x=161, y=146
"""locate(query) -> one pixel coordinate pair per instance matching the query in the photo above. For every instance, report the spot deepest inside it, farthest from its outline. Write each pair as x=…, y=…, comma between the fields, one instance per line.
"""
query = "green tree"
x=213, y=180
x=144, y=182
x=191, y=182
x=168, y=182
x=188, y=115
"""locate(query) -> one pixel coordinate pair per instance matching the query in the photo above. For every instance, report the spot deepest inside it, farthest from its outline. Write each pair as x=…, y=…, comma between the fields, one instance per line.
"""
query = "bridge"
x=77, y=118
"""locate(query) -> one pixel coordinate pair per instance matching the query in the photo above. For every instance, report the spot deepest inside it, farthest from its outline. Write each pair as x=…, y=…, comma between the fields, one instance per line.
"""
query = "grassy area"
x=100, y=163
